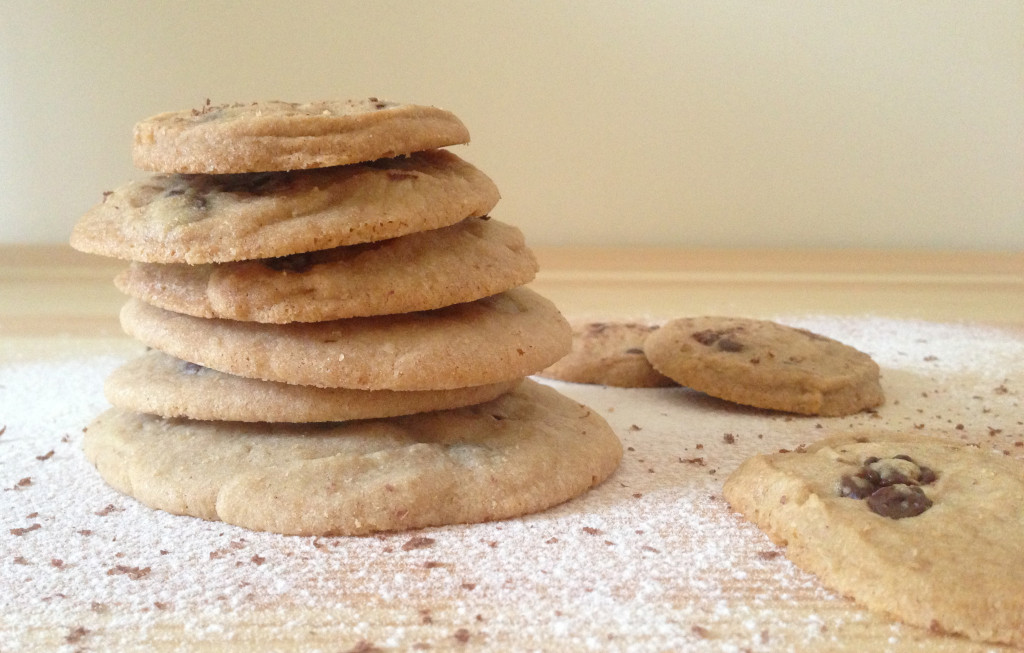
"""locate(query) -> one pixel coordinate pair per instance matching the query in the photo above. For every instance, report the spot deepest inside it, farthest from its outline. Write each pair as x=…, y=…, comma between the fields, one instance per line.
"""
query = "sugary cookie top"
x=281, y=136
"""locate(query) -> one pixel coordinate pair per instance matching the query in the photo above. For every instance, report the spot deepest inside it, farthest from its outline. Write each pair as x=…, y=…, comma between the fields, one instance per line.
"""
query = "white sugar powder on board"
x=654, y=551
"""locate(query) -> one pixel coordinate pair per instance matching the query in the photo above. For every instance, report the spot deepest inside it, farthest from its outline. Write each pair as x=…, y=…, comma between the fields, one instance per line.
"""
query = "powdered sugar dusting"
x=651, y=560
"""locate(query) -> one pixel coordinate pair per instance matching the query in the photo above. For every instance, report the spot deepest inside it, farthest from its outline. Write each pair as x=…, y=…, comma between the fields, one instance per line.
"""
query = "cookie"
x=422, y=271
x=209, y=219
x=495, y=339
x=766, y=365
x=609, y=353
x=159, y=384
x=523, y=452
x=927, y=530
x=270, y=136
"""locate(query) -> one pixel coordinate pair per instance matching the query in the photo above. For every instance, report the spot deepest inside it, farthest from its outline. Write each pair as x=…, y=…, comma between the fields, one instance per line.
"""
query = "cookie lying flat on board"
x=209, y=219
x=422, y=271
x=158, y=384
x=266, y=136
x=609, y=353
x=495, y=339
x=523, y=452
x=927, y=530
x=766, y=365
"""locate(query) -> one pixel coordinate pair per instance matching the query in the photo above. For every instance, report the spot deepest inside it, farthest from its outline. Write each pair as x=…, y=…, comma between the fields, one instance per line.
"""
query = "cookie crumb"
x=22, y=531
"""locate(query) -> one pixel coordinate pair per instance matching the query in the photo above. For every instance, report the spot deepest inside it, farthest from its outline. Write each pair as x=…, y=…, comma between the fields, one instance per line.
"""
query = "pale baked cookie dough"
x=158, y=384
x=767, y=365
x=475, y=258
x=265, y=136
x=198, y=219
x=927, y=530
x=609, y=353
x=523, y=452
x=499, y=338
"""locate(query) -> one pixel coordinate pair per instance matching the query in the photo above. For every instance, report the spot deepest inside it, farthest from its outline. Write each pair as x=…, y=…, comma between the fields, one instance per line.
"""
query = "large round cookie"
x=159, y=384
x=523, y=452
x=495, y=339
x=207, y=219
x=609, y=353
x=765, y=364
x=266, y=136
x=422, y=271
x=934, y=540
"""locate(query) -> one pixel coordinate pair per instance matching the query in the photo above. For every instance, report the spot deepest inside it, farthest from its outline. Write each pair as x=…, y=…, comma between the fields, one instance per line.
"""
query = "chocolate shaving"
x=76, y=634
x=418, y=542
x=135, y=573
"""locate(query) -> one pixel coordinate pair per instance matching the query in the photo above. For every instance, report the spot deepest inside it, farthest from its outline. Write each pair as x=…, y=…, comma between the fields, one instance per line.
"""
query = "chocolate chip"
x=896, y=470
x=856, y=486
x=706, y=337
x=927, y=476
x=899, y=501
x=728, y=344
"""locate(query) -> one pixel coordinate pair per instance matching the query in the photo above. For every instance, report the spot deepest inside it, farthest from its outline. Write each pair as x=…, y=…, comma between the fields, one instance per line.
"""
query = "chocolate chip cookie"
x=467, y=261
x=491, y=340
x=609, y=353
x=924, y=529
x=158, y=384
x=264, y=136
x=199, y=219
x=765, y=364
x=525, y=451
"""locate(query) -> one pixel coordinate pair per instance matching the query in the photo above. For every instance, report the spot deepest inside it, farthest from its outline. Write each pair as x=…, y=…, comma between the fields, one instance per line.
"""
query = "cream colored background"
x=717, y=123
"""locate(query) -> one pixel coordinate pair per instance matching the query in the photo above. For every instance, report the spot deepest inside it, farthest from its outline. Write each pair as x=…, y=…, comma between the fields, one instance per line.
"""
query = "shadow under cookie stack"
x=338, y=333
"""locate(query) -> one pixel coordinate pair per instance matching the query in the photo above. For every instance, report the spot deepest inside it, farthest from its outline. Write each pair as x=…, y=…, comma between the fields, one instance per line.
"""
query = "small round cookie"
x=159, y=384
x=609, y=353
x=491, y=340
x=525, y=451
x=924, y=529
x=766, y=365
x=272, y=136
x=475, y=258
x=209, y=219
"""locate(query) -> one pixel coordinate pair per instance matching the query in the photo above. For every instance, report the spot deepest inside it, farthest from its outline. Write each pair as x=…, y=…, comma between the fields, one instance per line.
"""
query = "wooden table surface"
x=50, y=294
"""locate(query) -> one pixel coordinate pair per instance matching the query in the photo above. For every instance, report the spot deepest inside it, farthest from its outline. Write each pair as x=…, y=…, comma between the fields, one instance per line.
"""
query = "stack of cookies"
x=339, y=334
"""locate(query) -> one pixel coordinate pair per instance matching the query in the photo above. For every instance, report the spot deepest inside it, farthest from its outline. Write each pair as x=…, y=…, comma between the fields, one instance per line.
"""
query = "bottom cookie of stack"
x=522, y=452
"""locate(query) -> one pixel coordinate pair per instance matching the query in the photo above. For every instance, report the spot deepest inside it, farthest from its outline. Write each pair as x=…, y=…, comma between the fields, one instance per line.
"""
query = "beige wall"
x=717, y=123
